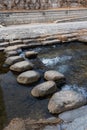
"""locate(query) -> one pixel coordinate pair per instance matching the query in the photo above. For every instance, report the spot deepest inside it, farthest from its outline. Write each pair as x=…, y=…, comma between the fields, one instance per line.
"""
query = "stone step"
x=22, y=66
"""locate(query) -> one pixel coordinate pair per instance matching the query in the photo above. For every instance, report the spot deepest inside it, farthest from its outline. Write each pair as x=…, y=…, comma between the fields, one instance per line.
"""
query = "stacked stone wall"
x=39, y=4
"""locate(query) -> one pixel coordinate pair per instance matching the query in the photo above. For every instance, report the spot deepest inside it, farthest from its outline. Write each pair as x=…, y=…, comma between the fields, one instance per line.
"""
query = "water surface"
x=17, y=101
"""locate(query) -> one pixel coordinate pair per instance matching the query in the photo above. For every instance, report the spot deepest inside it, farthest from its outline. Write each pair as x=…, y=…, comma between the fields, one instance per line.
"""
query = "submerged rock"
x=73, y=114
x=13, y=59
x=16, y=124
x=31, y=54
x=21, y=66
x=44, y=89
x=53, y=75
x=28, y=77
x=65, y=100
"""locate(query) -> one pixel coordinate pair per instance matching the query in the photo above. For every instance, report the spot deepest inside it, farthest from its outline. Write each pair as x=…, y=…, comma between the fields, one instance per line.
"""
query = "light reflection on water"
x=54, y=61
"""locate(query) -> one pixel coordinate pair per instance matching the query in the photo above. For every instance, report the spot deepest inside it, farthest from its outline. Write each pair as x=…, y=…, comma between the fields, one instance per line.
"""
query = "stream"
x=16, y=100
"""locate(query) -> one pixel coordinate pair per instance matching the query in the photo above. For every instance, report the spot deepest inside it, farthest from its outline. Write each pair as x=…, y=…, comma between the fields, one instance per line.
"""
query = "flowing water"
x=16, y=100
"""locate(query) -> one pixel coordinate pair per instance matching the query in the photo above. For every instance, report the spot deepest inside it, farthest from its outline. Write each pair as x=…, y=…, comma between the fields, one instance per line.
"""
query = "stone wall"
x=39, y=4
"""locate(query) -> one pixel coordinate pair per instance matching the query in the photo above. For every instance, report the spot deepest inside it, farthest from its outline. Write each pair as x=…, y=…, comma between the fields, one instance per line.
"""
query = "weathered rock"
x=13, y=59
x=16, y=124
x=53, y=75
x=82, y=39
x=78, y=124
x=44, y=89
x=65, y=100
x=51, y=42
x=28, y=77
x=73, y=114
x=4, y=44
x=16, y=42
x=11, y=53
x=21, y=66
x=12, y=48
x=31, y=54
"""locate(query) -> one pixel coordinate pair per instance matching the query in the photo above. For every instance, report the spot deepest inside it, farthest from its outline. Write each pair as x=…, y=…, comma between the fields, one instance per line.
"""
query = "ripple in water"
x=76, y=88
x=54, y=61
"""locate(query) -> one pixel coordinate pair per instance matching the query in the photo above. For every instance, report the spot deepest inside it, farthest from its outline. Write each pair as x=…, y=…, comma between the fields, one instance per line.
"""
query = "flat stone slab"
x=11, y=53
x=73, y=114
x=11, y=48
x=83, y=39
x=31, y=54
x=16, y=42
x=28, y=77
x=13, y=59
x=44, y=89
x=4, y=44
x=21, y=66
x=53, y=75
x=78, y=124
x=51, y=42
x=16, y=124
x=66, y=100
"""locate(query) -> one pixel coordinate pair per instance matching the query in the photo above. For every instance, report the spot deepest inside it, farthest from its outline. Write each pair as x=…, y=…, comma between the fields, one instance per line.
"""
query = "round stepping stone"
x=66, y=100
x=31, y=54
x=13, y=59
x=21, y=66
x=28, y=77
x=53, y=75
x=44, y=89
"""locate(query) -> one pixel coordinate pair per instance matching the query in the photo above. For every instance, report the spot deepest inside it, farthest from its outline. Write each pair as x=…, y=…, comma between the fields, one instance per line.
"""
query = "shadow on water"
x=70, y=59
x=2, y=111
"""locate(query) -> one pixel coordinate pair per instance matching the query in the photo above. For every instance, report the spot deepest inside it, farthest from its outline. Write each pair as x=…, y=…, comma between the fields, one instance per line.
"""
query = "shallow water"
x=71, y=60
x=17, y=101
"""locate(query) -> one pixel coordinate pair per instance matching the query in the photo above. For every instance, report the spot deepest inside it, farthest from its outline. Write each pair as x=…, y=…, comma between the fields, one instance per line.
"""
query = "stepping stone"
x=66, y=100
x=21, y=66
x=13, y=59
x=4, y=44
x=44, y=89
x=53, y=75
x=73, y=114
x=28, y=77
x=11, y=53
x=31, y=54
